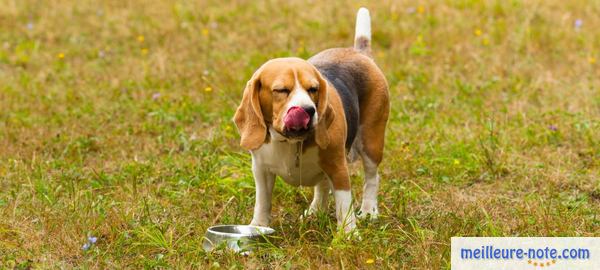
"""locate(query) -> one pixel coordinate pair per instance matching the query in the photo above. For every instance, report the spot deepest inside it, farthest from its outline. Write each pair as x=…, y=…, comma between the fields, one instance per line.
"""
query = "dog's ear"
x=325, y=113
x=249, y=117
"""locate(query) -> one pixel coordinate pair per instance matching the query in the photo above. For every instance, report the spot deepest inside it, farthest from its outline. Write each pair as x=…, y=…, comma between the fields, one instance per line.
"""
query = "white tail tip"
x=363, y=29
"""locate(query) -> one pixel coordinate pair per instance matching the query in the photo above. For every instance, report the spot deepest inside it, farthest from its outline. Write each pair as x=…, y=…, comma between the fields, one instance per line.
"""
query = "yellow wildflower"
x=140, y=38
x=456, y=162
x=370, y=261
x=421, y=9
x=592, y=60
x=485, y=41
x=60, y=56
x=205, y=31
x=478, y=32
x=208, y=89
x=144, y=51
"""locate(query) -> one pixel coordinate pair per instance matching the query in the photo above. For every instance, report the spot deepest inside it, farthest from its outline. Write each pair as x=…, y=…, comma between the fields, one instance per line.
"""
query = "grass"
x=115, y=122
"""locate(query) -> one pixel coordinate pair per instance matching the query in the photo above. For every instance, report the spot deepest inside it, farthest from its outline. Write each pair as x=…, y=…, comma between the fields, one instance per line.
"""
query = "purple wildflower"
x=90, y=241
x=553, y=127
x=578, y=24
x=155, y=96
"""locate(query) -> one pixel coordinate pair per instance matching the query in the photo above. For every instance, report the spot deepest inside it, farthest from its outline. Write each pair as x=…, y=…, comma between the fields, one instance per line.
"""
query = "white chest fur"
x=280, y=158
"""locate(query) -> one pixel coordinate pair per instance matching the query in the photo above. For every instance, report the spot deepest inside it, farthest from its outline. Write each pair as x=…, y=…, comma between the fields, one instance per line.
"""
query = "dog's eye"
x=282, y=90
x=312, y=90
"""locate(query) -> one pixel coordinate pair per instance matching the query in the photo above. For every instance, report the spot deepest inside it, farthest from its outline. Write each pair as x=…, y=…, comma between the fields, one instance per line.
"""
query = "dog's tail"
x=362, y=34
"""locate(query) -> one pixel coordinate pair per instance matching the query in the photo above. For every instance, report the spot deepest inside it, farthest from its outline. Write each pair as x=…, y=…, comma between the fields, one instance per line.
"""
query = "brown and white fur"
x=346, y=96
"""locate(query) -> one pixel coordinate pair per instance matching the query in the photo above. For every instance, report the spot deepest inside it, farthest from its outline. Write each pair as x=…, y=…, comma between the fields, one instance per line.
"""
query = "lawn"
x=115, y=123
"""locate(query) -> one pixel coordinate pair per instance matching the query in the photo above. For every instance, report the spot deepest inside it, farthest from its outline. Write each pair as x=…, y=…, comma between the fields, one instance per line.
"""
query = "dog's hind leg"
x=374, y=116
x=370, y=188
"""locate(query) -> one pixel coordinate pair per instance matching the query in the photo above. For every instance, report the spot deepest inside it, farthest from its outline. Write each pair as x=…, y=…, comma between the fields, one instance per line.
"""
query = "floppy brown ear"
x=249, y=118
x=325, y=113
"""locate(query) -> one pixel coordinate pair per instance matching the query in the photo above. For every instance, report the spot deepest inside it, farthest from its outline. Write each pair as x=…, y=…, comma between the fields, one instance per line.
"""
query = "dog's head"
x=289, y=96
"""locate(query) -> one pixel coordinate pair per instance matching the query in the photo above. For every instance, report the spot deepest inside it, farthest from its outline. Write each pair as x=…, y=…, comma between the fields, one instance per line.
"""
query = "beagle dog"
x=305, y=120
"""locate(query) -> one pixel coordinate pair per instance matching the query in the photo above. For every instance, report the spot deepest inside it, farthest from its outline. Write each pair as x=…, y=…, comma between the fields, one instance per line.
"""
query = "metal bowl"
x=239, y=238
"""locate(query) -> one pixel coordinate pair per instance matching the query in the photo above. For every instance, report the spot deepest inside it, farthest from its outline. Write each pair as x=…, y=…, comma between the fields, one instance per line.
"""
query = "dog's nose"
x=310, y=111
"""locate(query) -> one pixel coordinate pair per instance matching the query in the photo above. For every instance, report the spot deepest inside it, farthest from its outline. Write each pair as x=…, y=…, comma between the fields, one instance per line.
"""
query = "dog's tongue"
x=296, y=118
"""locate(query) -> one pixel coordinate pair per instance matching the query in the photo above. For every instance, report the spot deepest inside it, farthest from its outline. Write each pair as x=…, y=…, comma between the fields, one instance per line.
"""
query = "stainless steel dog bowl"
x=239, y=238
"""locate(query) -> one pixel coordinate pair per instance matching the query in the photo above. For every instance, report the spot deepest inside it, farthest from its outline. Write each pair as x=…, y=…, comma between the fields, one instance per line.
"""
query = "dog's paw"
x=311, y=211
x=348, y=224
x=261, y=223
x=354, y=235
x=368, y=210
x=349, y=234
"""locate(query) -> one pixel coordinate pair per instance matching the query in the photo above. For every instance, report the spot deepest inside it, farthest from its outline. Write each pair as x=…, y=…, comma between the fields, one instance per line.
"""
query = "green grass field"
x=115, y=122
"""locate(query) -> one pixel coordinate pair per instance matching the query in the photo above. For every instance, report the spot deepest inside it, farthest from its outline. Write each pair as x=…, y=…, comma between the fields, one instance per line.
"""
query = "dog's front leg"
x=344, y=211
x=263, y=181
x=337, y=170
